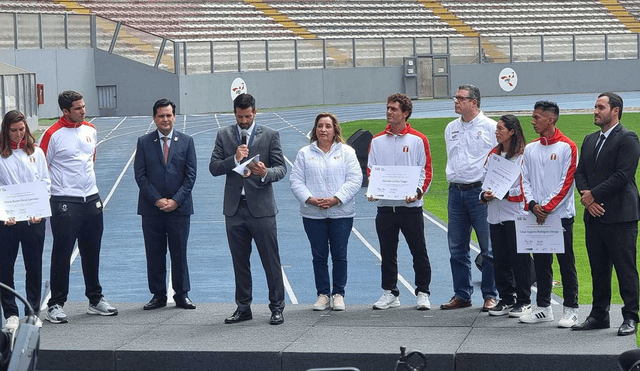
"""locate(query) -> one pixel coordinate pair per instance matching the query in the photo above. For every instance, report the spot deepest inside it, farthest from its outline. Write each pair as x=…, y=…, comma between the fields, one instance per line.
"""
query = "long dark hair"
x=516, y=147
x=5, y=143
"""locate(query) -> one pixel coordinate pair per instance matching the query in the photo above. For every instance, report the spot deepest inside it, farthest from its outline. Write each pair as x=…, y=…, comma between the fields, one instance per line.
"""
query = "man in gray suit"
x=249, y=206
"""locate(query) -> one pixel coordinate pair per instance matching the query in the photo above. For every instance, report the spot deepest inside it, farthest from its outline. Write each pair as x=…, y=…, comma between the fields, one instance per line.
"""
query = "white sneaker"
x=387, y=300
x=103, y=308
x=322, y=303
x=539, y=314
x=338, y=302
x=55, y=314
x=12, y=323
x=569, y=317
x=38, y=322
x=422, y=301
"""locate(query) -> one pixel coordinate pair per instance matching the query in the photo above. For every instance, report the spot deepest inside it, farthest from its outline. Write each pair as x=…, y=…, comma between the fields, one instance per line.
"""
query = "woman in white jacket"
x=21, y=162
x=325, y=179
x=512, y=270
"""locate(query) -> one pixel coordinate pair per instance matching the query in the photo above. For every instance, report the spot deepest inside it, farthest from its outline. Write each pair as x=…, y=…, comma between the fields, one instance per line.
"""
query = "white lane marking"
x=477, y=250
x=402, y=280
x=288, y=288
x=110, y=132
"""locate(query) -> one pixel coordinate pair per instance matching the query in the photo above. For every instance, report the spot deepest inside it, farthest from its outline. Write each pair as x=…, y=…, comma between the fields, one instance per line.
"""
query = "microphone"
x=243, y=134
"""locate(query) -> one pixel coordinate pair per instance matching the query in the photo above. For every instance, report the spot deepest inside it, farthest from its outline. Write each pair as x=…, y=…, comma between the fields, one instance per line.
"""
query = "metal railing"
x=73, y=31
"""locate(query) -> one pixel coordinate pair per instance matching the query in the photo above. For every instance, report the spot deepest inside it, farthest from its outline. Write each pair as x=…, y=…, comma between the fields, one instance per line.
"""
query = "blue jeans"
x=329, y=235
x=466, y=211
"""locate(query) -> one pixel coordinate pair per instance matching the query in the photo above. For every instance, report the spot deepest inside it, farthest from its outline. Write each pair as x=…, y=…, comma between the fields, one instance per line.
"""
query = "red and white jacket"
x=548, y=171
x=409, y=148
x=505, y=210
x=22, y=168
x=70, y=151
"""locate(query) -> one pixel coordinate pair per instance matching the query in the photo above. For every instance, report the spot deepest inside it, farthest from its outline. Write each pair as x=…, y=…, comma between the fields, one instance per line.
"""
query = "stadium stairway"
x=287, y=22
x=622, y=14
x=490, y=49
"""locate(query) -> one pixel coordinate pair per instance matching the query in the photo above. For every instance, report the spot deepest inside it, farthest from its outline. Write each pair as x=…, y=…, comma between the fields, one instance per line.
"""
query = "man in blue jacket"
x=165, y=170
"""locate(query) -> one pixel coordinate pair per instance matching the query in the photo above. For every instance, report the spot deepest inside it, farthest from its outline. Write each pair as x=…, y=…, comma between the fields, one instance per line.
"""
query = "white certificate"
x=22, y=201
x=242, y=168
x=535, y=238
x=501, y=174
x=393, y=182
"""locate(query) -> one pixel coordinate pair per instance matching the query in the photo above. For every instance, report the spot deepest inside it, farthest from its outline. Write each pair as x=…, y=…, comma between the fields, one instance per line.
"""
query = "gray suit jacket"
x=259, y=194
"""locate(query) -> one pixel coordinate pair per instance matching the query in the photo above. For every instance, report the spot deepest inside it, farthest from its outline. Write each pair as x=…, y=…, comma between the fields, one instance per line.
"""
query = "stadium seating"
x=228, y=20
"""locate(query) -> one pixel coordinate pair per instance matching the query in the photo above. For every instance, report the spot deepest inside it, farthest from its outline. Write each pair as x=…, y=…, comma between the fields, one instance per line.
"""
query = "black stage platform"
x=465, y=339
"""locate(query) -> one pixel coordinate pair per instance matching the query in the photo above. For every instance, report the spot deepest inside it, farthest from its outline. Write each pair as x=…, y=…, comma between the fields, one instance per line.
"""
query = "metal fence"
x=73, y=31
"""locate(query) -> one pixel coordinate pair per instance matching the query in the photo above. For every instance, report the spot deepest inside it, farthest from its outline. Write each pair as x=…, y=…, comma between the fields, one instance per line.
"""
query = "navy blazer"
x=259, y=194
x=612, y=178
x=156, y=179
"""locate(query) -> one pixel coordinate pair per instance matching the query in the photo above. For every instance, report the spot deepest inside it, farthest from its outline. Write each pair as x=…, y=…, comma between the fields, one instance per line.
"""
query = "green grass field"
x=574, y=126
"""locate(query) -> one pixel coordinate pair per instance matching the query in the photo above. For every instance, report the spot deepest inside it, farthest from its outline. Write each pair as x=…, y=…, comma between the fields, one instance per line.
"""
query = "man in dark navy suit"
x=605, y=178
x=165, y=170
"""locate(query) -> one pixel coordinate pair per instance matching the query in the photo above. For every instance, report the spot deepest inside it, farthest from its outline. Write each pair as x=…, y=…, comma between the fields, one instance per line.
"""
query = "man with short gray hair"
x=469, y=139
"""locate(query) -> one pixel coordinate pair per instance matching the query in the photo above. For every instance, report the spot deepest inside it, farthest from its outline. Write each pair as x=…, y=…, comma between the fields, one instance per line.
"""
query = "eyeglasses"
x=457, y=98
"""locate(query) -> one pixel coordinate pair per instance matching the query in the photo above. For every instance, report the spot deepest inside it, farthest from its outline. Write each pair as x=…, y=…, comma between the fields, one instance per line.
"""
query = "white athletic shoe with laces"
x=338, y=302
x=387, y=300
x=103, y=308
x=55, y=314
x=569, y=317
x=539, y=314
x=12, y=323
x=422, y=301
x=322, y=303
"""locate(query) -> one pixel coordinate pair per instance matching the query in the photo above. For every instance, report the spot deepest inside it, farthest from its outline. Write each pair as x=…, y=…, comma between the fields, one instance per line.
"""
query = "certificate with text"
x=501, y=173
x=393, y=182
x=22, y=201
x=535, y=238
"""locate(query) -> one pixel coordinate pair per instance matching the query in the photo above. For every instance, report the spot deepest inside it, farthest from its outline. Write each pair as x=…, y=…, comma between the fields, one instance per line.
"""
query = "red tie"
x=165, y=151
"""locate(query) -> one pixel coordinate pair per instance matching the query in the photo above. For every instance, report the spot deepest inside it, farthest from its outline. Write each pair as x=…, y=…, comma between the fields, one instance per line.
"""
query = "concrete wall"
x=58, y=70
x=552, y=77
x=212, y=92
x=138, y=85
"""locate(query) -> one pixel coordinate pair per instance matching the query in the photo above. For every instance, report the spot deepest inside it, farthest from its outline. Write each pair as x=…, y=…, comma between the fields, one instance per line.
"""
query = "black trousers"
x=512, y=270
x=159, y=231
x=75, y=219
x=389, y=222
x=31, y=237
x=567, y=262
x=613, y=245
x=241, y=229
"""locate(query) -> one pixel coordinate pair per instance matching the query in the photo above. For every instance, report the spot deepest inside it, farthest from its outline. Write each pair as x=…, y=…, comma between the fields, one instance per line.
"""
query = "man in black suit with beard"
x=605, y=178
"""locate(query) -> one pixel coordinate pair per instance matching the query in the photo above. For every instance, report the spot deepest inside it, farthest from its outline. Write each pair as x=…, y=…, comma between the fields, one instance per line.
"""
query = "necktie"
x=165, y=150
x=599, y=144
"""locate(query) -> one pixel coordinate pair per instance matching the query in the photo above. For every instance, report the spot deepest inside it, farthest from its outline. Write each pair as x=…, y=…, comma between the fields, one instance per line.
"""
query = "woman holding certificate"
x=21, y=162
x=512, y=270
x=325, y=179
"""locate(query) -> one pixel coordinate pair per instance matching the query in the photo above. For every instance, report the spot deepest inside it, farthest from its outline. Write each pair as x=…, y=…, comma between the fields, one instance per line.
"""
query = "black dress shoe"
x=628, y=327
x=185, y=303
x=238, y=316
x=155, y=303
x=276, y=318
x=590, y=324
